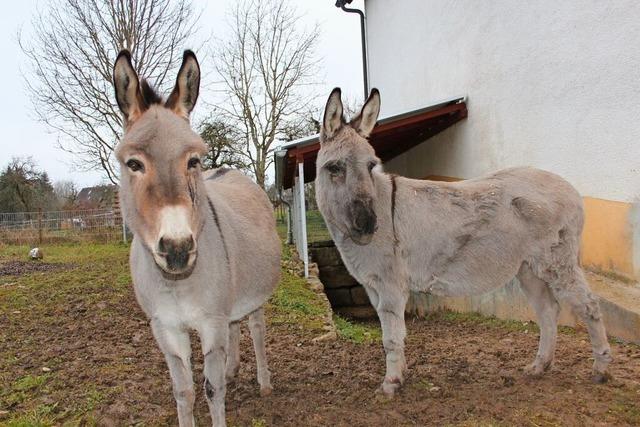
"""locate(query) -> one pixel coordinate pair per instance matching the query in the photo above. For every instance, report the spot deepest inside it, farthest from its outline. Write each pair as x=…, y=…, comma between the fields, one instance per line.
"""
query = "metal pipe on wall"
x=363, y=40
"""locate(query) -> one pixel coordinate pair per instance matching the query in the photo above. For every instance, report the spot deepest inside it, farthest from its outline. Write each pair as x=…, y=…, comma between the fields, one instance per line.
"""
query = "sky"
x=338, y=52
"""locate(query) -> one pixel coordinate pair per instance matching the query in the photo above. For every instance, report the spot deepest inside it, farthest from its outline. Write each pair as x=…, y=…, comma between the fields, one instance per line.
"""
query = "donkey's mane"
x=149, y=94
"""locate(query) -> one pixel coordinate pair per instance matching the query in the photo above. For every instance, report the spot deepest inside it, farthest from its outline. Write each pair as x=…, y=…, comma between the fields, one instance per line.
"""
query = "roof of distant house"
x=100, y=196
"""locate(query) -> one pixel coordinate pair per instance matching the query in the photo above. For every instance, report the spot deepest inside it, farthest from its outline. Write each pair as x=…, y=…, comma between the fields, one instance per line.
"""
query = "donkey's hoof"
x=389, y=387
x=600, y=377
x=266, y=391
x=535, y=370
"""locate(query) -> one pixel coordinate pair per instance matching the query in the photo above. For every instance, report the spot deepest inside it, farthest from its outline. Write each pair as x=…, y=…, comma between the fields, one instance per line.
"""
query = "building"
x=98, y=197
x=553, y=85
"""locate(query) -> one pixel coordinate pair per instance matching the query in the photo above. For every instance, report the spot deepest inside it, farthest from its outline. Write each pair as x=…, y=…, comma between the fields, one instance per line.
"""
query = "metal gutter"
x=363, y=40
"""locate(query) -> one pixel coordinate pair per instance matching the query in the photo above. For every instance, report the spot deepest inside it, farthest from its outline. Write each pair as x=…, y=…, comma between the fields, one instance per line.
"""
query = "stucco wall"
x=550, y=84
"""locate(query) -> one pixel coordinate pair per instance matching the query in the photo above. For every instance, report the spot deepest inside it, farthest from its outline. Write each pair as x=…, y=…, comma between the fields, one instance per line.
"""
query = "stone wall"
x=345, y=294
x=620, y=309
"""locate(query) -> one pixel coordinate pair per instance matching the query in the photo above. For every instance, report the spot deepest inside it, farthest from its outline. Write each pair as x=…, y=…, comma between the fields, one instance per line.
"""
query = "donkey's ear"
x=332, y=120
x=127, y=87
x=364, y=122
x=185, y=93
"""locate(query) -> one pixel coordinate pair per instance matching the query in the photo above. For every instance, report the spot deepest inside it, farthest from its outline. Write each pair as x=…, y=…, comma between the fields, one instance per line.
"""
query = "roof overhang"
x=392, y=136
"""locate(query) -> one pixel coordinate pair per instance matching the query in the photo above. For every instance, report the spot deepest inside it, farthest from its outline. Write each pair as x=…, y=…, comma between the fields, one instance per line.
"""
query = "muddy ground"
x=83, y=353
x=21, y=268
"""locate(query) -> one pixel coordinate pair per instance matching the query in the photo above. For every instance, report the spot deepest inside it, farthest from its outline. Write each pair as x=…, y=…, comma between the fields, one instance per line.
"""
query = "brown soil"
x=462, y=372
x=20, y=268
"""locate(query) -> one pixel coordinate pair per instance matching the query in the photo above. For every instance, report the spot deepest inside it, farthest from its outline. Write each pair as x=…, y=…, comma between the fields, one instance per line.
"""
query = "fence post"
x=303, y=219
x=39, y=226
x=124, y=231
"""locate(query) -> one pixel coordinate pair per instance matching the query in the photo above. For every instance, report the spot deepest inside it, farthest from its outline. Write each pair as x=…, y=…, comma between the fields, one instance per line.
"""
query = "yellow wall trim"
x=607, y=238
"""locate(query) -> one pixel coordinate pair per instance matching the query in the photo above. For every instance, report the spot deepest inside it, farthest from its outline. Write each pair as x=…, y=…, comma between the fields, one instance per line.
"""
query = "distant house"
x=98, y=197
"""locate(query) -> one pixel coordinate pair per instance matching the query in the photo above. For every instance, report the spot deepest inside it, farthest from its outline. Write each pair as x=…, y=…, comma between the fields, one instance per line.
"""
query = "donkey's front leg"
x=215, y=342
x=174, y=343
x=390, y=308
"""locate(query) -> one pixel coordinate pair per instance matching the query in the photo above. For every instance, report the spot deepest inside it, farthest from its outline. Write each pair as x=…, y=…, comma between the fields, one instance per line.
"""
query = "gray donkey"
x=397, y=235
x=205, y=252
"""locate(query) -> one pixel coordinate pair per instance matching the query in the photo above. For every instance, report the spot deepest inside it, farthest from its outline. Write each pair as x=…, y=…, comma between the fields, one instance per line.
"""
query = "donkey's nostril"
x=365, y=221
x=176, y=252
x=161, y=246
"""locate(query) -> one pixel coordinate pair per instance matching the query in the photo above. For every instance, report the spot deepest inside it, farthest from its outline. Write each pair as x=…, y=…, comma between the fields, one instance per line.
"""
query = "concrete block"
x=339, y=297
x=359, y=296
x=336, y=277
x=327, y=256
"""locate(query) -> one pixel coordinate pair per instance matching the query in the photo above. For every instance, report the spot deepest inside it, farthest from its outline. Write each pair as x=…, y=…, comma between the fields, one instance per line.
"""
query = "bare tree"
x=67, y=194
x=266, y=66
x=71, y=55
x=224, y=148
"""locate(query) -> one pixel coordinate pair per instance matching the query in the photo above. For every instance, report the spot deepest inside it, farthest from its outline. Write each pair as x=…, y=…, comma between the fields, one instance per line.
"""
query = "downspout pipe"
x=363, y=40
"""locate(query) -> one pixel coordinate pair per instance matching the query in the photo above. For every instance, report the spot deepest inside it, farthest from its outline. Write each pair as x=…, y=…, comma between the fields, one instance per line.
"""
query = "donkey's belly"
x=467, y=276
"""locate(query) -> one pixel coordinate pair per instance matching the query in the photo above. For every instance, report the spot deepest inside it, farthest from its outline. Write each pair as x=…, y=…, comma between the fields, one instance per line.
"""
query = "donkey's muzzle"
x=178, y=254
x=364, y=221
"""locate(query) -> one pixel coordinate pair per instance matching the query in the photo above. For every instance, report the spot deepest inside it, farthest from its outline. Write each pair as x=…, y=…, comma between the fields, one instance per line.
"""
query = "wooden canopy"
x=392, y=136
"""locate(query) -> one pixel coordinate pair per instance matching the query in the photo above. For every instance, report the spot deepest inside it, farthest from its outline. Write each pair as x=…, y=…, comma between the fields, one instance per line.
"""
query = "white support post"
x=303, y=219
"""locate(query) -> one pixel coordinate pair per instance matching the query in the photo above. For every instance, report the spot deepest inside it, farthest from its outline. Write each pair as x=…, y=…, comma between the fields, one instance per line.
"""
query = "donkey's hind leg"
x=233, y=356
x=585, y=305
x=258, y=332
x=546, y=308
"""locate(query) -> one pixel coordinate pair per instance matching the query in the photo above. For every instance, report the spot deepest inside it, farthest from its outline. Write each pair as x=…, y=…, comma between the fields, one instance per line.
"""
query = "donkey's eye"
x=334, y=168
x=371, y=165
x=193, y=162
x=135, y=165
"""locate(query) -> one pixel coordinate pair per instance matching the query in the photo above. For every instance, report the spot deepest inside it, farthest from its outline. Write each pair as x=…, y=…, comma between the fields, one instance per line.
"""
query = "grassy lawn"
x=88, y=288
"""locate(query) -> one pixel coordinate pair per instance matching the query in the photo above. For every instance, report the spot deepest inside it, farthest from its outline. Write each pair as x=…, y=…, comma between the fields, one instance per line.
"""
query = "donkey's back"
x=535, y=202
x=246, y=219
x=487, y=227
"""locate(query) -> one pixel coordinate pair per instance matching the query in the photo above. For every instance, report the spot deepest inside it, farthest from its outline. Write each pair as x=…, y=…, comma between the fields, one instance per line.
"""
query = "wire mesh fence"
x=35, y=228
x=316, y=227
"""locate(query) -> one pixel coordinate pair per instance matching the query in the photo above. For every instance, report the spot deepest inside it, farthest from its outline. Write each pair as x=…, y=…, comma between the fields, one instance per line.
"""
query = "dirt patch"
x=460, y=372
x=103, y=366
x=20, y=268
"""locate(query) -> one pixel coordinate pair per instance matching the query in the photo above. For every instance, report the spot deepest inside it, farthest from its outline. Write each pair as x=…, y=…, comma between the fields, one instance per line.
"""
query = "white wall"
x=550, y=84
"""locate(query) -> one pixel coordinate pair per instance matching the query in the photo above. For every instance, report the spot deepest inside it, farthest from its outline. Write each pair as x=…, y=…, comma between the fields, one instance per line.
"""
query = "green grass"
x=94, y=273
x=41, y=415
x=293, y=302
x=357, y=332
x=493, y=322
x=316, y=228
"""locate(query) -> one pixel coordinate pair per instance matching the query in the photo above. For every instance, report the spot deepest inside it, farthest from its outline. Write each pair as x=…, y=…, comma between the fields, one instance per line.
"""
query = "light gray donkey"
x=205, y=252
x=397, y=235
